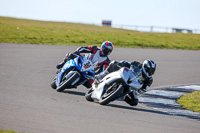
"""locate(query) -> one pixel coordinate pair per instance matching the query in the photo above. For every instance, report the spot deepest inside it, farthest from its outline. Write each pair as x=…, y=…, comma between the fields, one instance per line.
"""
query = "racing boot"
x=60, y=65
x=131, y=98
x=63, y=63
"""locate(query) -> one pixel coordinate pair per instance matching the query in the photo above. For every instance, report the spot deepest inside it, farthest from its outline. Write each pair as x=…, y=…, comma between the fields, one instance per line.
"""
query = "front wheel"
x=67, y=82
x=111, y=93
x=88, y=95
x=53, y=83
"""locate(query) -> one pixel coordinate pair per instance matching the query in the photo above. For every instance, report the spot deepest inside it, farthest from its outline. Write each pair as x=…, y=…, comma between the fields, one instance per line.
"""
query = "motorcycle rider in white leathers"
x=95, y=54
x=148, y=68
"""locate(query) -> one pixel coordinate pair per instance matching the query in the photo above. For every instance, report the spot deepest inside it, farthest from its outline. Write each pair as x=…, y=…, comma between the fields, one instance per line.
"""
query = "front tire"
x=111, y=93
x=53, y=83
x=88, y=95
x=66, y=83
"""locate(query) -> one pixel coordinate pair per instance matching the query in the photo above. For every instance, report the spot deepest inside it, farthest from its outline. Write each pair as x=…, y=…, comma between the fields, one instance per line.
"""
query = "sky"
x=164, y=13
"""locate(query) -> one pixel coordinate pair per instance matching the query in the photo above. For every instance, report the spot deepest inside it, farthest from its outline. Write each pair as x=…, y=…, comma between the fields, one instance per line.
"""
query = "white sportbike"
x=115, y=85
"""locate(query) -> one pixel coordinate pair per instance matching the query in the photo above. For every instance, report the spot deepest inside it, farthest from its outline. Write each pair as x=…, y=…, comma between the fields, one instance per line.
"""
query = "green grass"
x=7, y=131
x=190, y=101
x=59, y=33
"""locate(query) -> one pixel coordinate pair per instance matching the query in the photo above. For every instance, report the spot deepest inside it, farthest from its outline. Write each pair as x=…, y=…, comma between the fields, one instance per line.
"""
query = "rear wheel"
x=67, y=82
x=111, y=93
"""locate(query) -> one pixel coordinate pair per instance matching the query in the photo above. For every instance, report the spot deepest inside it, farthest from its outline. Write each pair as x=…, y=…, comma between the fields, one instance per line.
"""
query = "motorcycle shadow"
x=71, y=91
x=134, y=108
x=152, y=111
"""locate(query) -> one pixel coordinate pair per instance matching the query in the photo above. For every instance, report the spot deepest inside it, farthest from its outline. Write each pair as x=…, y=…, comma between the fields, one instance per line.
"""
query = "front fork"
x=126, y=91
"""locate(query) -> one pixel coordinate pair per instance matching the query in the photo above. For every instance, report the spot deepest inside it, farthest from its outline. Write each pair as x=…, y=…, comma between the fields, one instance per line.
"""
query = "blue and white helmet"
x=149, y=67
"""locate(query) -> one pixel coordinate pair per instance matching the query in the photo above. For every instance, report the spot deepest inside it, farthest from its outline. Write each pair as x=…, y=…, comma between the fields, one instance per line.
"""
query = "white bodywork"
x=124, y=74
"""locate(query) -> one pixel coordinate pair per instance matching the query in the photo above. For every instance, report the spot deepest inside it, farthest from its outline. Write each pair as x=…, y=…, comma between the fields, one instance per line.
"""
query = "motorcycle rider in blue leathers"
x=148, y=68
x=96, y=54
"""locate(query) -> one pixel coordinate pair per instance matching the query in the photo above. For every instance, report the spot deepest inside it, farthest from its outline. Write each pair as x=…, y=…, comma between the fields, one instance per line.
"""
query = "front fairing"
x=86, y=67
x=67, y=65
x=82, y=65
x=123, y=75
x=131, y=78
x=98, y=90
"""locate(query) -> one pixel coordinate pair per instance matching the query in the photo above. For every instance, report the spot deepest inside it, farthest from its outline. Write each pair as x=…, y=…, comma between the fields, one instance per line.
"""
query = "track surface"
x=29, y=105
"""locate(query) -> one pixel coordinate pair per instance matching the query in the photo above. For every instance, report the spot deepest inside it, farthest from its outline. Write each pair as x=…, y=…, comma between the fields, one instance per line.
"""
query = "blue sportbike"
x=75, y=72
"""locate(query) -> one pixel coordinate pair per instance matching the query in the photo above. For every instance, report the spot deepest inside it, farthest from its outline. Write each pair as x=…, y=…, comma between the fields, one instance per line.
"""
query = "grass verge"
x=14, y=30
x=190, y=101
x=7, y=131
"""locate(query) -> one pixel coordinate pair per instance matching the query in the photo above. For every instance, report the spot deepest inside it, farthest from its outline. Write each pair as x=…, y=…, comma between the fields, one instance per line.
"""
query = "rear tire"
x=111, y=94
x=66, y=83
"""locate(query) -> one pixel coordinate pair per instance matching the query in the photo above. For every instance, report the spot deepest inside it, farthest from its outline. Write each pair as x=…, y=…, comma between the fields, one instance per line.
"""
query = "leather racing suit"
x=94, y=54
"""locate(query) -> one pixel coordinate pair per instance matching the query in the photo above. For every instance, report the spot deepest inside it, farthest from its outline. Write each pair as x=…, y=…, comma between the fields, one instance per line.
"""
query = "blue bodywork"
x=77, y=64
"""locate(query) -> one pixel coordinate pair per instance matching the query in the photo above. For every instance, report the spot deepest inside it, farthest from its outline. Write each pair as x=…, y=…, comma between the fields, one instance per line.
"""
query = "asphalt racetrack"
x=29, y=105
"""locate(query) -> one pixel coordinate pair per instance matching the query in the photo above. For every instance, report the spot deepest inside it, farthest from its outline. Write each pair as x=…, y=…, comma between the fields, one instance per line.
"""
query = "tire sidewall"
x=113, y=96
x=88, y=95
x=68, y=82
x=53, y=83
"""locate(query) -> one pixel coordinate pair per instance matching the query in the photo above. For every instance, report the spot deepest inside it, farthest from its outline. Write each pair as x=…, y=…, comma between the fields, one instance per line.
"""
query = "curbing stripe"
x=164, y=99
